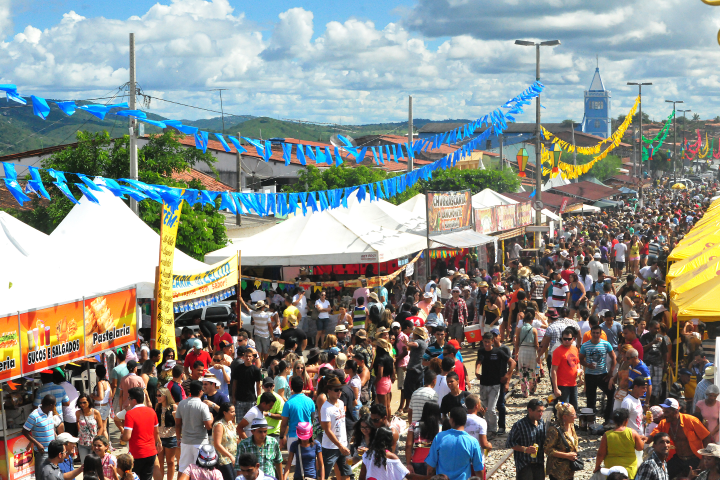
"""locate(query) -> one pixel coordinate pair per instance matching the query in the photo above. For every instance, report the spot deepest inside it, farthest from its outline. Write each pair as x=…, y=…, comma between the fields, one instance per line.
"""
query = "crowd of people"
x=300, y=395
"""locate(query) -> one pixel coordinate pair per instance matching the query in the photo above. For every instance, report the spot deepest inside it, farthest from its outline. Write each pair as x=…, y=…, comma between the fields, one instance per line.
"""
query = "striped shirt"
x=538, y=287
x=41, y=426
x=419, y=398
x=52, y=389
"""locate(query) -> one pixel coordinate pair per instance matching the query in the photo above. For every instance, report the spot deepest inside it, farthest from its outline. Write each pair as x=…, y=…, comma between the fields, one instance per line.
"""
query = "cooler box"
x=473, y=333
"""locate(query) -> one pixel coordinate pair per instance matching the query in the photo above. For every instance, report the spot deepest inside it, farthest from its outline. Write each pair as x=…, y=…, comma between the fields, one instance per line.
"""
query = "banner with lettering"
x=505, y=217
x=449, y=211
x=485, y=221
x=110, y=321
x=164, y=321
x=9, y=348
x=192, y=284
x=524, y=214
x=51, y=336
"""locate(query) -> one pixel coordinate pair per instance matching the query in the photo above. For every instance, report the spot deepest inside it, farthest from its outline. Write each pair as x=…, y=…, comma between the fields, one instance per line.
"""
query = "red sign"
x=563, y=205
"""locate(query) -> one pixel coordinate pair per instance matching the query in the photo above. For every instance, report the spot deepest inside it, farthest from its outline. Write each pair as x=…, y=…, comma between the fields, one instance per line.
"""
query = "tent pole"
x=239, y=285
x=427, y=237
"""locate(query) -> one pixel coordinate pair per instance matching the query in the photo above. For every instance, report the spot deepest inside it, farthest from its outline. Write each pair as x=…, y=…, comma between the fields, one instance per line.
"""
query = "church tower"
x=597, y=108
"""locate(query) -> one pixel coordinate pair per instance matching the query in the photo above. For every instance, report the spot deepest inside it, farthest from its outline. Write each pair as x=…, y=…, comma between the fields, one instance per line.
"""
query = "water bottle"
x=537, y=372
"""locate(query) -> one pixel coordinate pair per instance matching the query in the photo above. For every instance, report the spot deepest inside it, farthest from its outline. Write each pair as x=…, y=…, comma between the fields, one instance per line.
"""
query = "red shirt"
x=417, y=321
x=225, y=337
x=460, y=370
x=142, y=421
x=565, y=274
x=192, y=357
x=637, y=346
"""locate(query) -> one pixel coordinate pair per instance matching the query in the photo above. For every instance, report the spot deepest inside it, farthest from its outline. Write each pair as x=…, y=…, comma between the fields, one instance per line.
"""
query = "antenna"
x=222, y=112
x=597, y=61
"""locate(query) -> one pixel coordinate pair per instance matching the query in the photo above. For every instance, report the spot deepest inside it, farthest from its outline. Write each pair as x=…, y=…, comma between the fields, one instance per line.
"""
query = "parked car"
x=220, y=312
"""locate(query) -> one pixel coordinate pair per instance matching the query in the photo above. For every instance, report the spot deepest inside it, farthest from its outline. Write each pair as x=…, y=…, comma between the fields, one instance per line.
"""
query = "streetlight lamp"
x=640, y=189
x=674, y=102
x=538, y=163
x=682, y=165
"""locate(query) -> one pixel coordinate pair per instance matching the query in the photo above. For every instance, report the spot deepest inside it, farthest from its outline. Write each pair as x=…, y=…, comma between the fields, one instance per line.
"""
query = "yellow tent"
x=709, y=219
x=692, y=263
x=691, y=279
x=694, y=245
x=700, y=302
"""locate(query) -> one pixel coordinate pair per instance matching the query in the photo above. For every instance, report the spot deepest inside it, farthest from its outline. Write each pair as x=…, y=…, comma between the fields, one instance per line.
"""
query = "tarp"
x=490, y=198
x=700, y=302
x=554, y=182
x=691, y=279
x=689, y=248
x=461, y=239
x=580, y=208
x=692, y=263
x=606, y=203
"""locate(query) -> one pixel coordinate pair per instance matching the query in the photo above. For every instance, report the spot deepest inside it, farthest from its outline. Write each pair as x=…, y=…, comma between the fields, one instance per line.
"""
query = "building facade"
x=597, y=116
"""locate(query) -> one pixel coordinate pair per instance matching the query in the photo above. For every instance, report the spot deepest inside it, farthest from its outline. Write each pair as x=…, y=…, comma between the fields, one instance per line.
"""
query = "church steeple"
x=597, y=108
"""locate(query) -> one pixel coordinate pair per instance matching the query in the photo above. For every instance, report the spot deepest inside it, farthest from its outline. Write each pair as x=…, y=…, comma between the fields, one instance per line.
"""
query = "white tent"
x=490, y=198
x=580, y=208
x=556, y=181
x=96, y=248
x=416, y=205
x=324, y=238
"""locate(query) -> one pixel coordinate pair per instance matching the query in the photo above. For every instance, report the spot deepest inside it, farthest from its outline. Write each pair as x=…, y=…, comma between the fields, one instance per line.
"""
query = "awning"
x=515, y=232
x=627, y=190
x=606, y=203
x=461, y=239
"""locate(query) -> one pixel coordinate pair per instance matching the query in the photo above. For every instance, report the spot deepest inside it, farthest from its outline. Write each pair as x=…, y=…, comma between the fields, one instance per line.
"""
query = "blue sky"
x=356, y=62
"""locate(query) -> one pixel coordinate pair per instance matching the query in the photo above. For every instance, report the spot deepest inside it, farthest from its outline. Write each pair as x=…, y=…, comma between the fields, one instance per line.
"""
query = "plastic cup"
x=36, y=336
x=31, y=341
x=47, y=336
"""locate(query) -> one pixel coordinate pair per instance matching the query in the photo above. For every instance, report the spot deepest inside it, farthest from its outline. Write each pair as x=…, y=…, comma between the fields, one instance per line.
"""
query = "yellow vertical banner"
x=164, y=321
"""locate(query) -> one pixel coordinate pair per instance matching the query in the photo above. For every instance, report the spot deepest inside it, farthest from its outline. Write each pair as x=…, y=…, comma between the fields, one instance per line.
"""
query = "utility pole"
x=640, y=147
x=238, y=166
x=682, y=165
x=132, y=123
x=222, y=112
x=538, y=157
x=674, y=102
x=410, y=134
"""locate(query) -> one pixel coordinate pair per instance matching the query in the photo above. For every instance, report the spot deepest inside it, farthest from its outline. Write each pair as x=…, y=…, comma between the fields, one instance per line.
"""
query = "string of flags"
x=265, y=204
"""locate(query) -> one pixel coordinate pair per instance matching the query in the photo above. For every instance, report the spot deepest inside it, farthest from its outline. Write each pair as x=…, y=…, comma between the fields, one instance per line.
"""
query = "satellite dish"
x=257, y=169
x=342, y=141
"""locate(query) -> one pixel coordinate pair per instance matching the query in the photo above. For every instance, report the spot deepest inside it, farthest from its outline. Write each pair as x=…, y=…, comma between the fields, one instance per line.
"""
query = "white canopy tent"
x=580, y=208
x=556, y=181
x=490, y=198
x=96, y=248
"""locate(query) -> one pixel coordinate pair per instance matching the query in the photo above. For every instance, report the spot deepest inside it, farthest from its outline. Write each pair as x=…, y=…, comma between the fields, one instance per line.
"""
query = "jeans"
x=569, y=395
x=331, y=456
x=679, y=467
x=593, y=382
x=531, y=471
x=489, y=396
x=502, y=411
x=40, y=458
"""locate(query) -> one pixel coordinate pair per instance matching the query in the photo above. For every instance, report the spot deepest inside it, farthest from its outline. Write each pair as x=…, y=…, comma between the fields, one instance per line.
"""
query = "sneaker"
x=501, y=431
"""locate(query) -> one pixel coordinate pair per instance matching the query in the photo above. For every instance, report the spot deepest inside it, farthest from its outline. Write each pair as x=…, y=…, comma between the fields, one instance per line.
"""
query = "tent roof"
x=415, y=205
x=587, y=191
x=699, y=302
x=490, y=198
x=556, y=181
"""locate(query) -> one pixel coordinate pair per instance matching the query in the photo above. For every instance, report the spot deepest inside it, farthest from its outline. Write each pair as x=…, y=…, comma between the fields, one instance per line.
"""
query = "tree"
x=201, y=229
x=312, y=179
x=569, y=123
x=602, y=170
x=696, y=117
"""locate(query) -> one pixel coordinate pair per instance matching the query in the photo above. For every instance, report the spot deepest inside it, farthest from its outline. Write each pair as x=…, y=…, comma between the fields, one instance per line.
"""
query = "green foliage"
x=569, y=123
x=314, y=179
x=660, y=162
x=201, y=228
x=602, y=170
x=696, y=117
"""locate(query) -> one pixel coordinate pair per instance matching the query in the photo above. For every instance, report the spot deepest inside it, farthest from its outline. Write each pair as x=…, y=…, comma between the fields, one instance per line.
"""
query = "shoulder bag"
x=577, y=464
x=299, y=455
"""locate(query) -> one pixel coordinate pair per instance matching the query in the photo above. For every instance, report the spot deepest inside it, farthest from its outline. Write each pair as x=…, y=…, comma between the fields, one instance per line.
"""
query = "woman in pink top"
x=710, y=410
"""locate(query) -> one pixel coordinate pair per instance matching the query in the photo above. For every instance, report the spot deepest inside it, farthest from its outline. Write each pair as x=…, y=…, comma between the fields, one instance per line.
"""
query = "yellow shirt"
x=291, y=310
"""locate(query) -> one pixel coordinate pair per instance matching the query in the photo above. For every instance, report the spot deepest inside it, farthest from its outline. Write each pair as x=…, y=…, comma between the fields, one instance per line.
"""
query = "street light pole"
x=674, y=102
x=640, y=147
x=538, y=162
x=682, y=165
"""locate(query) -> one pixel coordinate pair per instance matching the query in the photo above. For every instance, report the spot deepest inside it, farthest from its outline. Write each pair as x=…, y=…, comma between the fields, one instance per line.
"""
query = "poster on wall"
x=110, y=321
x=51, y=336
x=524, y=214
x=505, y=217
x=449, y=211
x=9, y=348
x=485, y=221
x=21, y=465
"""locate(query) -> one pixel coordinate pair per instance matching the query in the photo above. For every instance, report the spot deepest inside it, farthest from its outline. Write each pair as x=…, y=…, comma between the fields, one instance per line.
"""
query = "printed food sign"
x=485, y=221
x=51, y=336
x=449, y=211
x=9, y=348
x=21, y=465
x=110, y=321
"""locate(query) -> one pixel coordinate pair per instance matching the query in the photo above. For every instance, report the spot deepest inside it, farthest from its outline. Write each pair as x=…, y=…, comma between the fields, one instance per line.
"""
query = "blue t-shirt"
x=612, y=333
x=640, y=370
x=596, y=353
x=465, y=452
x=299, y=408
x=52, y=389
x=282, y=386
x=382, y=292
x=309, y=454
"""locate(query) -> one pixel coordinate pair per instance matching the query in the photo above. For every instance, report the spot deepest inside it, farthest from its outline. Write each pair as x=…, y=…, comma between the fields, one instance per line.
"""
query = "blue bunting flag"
x=222, y=141
x=88, y=194
x=227, y=202
x=300, y=155
x=40, y=107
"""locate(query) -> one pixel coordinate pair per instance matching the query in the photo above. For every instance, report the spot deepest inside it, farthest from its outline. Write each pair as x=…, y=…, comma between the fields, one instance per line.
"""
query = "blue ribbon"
x=40, y=107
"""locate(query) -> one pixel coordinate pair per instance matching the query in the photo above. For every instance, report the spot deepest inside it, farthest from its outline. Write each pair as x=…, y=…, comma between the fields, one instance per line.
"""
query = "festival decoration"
x=556, y=154
x=594, y=150
x=705, y=150
x=716, y=155
x=522, y=159
x=264, y=204
x=574, y=171
x=660, y=138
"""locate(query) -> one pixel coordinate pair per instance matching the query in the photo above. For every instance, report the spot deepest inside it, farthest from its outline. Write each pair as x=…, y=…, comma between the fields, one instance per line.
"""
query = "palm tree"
x=696, y=117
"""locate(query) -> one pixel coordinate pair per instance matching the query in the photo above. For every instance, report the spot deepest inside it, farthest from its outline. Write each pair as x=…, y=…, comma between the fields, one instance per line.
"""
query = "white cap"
x=66, y=437
x=615, y=469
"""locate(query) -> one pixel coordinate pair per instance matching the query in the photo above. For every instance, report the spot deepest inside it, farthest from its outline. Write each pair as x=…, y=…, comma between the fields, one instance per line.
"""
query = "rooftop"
x=586, y=190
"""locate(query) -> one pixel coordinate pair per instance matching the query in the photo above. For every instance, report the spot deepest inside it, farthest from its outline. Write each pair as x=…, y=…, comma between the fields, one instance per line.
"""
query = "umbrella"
x=678, y=186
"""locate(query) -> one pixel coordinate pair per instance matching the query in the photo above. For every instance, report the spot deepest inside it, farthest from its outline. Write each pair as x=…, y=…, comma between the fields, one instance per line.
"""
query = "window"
x=598, y=124
x=596, y=105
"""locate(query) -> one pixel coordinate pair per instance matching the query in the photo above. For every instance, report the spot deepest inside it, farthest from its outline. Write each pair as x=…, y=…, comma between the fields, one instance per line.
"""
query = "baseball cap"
x=670, y=403
x=640, y=382
x=66, y=437
x=197, y=344
x=395, y=324
x=495, y=331
x=615, y=469
x=268, y=381
x=304, y=430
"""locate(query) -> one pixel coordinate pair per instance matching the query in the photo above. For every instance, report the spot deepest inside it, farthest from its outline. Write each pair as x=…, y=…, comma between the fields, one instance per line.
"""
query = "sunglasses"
x=336, y=389
x=567, y=339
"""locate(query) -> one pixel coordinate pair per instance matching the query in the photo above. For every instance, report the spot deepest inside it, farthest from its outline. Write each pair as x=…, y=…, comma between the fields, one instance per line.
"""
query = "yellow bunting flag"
x=164, y=328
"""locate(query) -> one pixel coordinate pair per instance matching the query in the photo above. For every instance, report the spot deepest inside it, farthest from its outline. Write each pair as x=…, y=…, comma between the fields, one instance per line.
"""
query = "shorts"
x=170, y=442
x=455, y=331
x=322, y=324
x=401, y=377
x=620, y=265
x=634, y=259
x=331, y=457
x=643, y=257
x=262, y=344
x=104, y=411
x=188, y=455
x=383, y=386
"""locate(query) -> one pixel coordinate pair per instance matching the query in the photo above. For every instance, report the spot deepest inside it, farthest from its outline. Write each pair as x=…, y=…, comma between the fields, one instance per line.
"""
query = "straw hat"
x=420, y=332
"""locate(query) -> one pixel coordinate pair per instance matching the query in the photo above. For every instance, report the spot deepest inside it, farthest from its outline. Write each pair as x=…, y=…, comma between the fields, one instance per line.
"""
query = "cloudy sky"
x=356, y=62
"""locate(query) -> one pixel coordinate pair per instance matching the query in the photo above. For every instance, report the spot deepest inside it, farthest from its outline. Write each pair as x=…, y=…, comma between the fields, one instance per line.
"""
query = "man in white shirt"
x=620, y=249
x=262, y=321
x=514, y=252
x=445, y=285
x=322, y=305
x=300, y=303
x=432, y=287
x=648, y=273
x=334, y=440
x=634, y=405
x=595, y=267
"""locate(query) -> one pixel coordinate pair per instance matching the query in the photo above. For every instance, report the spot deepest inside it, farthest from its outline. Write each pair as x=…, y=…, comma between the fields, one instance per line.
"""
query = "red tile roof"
x=7, y=201
x=627, y=179
x=552, y=201
x=210, y=183
x=587, y=191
